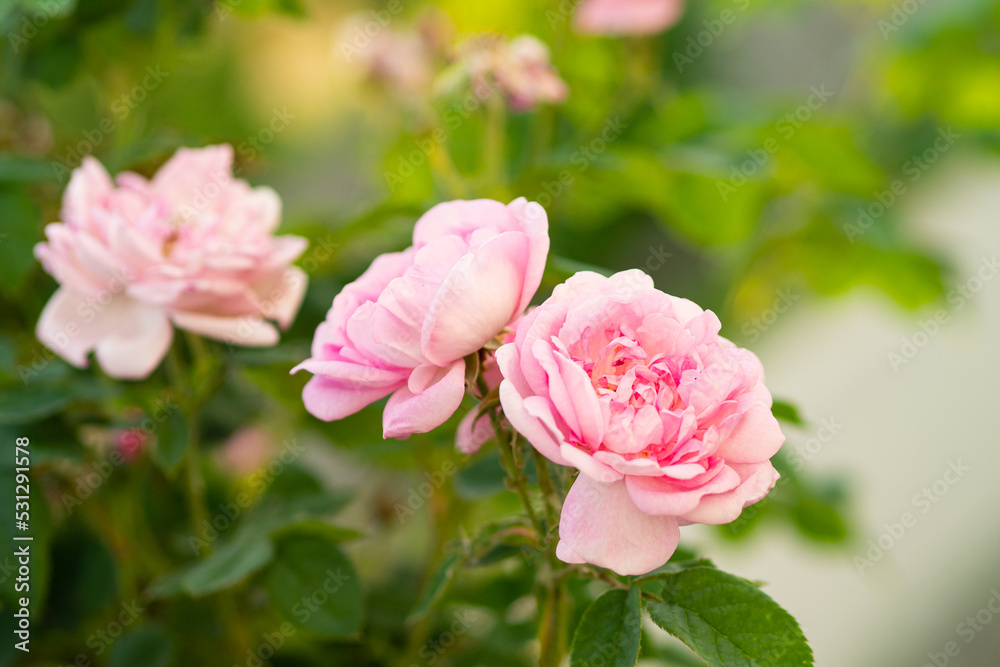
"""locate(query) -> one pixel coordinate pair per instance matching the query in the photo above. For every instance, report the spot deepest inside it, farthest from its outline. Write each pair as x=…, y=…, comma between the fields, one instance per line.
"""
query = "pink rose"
x=403, y=61
x=131, y=442
x=246, y=451
x=405, y=326
x=668, y=423
x=627, y=17
x=520, y=68
x=192, y=247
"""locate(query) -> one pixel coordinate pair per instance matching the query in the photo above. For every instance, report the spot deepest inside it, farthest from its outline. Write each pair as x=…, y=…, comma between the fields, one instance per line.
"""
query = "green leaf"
x=20, y=169
x=171, y=443
x=313, y=584
x=437, y=584
x=256, y=8
x=728, y=621
x=713, y=211
x=483, y=478
x=786, y=412
x=149, y=647
x=20, y=233
x=609, y=632
x=232, y=562
x=30, y=404
x=296, y=496
x=819, y=521
x=41, y=526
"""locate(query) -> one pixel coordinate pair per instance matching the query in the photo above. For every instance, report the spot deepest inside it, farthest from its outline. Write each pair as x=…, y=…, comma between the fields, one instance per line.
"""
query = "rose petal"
x=757, y=480
x=601, y=525
x=663, y=495
x=141, y=338
x=545, y=440
x=248, y=331
x=473, y=432
x=757, y=437
x=477, y=300
x=407, y=412
x=331, y=399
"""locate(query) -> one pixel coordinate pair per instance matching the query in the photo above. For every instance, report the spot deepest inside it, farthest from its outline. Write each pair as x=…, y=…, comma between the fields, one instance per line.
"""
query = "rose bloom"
x=520, y=68
x=246, y=451
x=404, y=327
x=627, y=17
x=192, y=247
x=668, y=423
x=131, y=442
x=402, y=61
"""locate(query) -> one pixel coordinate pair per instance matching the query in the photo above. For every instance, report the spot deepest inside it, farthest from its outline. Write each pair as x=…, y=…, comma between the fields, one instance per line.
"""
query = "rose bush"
x=192, y=247
x=405, y=326
x=627, y=17
x=668, y=422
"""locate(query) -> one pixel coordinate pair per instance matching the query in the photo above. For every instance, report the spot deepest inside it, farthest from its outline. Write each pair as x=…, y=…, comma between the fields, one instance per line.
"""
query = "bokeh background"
x=825, y=176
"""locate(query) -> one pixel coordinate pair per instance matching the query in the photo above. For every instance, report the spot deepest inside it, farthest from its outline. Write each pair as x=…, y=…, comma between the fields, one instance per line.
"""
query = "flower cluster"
x=519, y=68
x=667, y=422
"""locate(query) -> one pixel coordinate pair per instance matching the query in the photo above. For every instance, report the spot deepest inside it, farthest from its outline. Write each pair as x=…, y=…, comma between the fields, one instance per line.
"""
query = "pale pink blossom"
x=668, y=423
x=404, y=327
x=521, y=69
x=627, y=17
x=192, y=248
x=246, y=451
x=403, y=60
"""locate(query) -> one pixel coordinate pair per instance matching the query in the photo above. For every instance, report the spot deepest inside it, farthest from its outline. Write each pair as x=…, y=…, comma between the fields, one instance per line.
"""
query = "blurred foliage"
x=728, y=182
